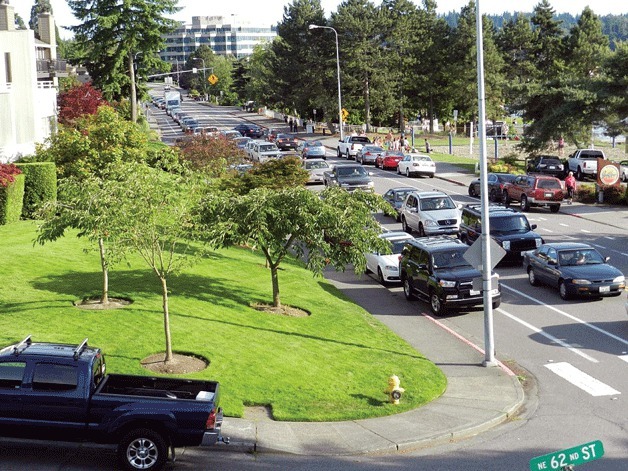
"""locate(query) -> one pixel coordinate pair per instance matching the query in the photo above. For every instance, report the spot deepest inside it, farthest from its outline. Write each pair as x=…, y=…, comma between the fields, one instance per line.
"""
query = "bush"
x=11, y=198
x=40, y=185
x=614, y=195
x=585, y=193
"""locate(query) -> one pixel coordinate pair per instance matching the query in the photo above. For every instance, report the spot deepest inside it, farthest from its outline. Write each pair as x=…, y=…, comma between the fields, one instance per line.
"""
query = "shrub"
x=40, y=185
x=585, y=193
x=11, y=197
x=614, y=194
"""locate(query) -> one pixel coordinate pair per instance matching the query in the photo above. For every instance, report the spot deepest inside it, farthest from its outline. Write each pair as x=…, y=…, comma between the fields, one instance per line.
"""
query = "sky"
x=267, y=12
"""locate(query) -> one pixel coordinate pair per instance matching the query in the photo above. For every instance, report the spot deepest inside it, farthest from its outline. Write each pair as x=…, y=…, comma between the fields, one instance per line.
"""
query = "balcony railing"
x=52, y=67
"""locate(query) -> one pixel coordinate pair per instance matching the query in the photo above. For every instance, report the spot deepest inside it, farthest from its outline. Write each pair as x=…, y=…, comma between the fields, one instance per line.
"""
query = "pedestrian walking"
x=291, y=124
x=428, y=148
x=570, y=186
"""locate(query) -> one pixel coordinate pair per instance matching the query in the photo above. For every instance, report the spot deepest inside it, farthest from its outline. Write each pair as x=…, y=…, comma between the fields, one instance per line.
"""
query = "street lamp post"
x=204, y=78
x=338, y=69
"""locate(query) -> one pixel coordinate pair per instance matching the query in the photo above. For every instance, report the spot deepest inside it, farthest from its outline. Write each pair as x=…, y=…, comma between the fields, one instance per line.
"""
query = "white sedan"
x=416, y=164
x=316, y=168
x=386, y=266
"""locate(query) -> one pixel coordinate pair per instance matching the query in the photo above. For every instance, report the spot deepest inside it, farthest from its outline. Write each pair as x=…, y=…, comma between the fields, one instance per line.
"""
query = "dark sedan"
x=574, y=268
x=546, y=165
x=286, y=142
x=396, y=197
x=495, y=182
x=249, y=130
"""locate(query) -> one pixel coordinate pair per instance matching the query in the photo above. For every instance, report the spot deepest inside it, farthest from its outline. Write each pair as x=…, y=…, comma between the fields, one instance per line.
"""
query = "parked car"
x=495, y=183
x=241, y=142
x=534, y=190
x=188, y=124
x=271, y=134
x=389, y=159
x=261, y=151
x=207, y=131
x=509, y=228
x=312, y=150
x=368, y=154
x=52, y=391
x=286, y=141
x=386, y=265
x=430, y=213
x=434, y=269
x=396, y=197
x=623, y=170
x=416, y=164
x=316, y=168
x=576, y=269
x=583, y=162
x=546, y=165
x=249, y=130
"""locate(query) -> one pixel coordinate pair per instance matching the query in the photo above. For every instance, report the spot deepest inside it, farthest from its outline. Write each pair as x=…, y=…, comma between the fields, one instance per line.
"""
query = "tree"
x=336, y=227
x=586, y=46
x=273, y=174
x=258, y=74
x=157, y=217
x=112, y=33
x=78, y=101
x=548, y=54
x=211, y=156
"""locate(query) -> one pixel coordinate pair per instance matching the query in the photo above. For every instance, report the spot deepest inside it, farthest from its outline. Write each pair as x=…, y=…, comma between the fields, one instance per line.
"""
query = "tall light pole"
x=342, y=135
x=204, y=78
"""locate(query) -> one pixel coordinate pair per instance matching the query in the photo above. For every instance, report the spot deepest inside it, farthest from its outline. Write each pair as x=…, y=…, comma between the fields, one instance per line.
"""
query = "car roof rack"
x=23, y=344
x=80, y=348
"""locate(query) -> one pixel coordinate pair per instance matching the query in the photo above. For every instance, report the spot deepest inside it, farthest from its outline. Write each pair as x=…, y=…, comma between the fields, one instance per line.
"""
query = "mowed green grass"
x=332, y=365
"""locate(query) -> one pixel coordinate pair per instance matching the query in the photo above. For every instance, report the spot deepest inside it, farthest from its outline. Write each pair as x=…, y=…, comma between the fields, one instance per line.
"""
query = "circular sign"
x=609, y=174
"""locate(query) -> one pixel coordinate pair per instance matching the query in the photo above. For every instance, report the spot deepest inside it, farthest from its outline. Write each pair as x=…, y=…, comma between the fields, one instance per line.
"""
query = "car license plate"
x=551, y=167
x=474, y=292
x=605, y=289
x=548, y=195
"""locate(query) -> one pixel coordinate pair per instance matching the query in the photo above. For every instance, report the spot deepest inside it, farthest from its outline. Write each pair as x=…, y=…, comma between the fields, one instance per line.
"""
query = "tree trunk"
x=105, y=272
x=133, y=90
x=274, y=274
x=164, y=295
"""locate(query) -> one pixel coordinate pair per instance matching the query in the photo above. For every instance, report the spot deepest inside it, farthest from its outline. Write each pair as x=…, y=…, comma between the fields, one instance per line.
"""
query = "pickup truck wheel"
x=525, y=204
x=142, y=449
x=435, y=304
x=348, y=155
x=555, y=208
x=579, y=174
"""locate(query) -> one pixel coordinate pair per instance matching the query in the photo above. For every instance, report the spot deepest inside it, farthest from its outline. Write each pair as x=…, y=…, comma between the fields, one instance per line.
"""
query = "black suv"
x=509, y=228
x=433, y=269
x=250, y=130
x=546, y=165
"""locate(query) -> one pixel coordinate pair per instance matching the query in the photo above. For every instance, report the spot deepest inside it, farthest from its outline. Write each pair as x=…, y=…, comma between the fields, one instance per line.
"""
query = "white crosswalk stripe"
x=582, y=380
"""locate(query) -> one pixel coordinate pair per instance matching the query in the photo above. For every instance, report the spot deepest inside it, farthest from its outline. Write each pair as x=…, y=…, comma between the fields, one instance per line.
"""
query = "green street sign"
x=572, y=456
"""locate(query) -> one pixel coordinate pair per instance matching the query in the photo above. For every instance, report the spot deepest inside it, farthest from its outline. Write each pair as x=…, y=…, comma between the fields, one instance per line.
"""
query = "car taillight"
x=211, y=420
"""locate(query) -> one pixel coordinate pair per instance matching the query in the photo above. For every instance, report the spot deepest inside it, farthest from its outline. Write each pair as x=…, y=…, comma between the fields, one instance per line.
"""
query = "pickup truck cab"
x=57, y=391
x=583, y=162
x=350, y=145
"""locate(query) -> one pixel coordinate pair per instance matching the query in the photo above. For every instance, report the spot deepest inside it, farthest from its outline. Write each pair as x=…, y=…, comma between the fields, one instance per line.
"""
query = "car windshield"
x=314, y=144
x=401, y=195
x=506, y=178
x=267, y=148
x=579, y=257
x=509, y=225
x=351, y=171
x=313, y=165
x=433, y=204
x=450, y=259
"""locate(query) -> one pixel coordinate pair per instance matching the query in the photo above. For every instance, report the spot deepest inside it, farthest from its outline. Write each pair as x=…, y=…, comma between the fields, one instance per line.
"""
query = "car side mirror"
x=371, y=173
x=606, y=259
x=552, y=261
x=533, y=226
x=414, y=210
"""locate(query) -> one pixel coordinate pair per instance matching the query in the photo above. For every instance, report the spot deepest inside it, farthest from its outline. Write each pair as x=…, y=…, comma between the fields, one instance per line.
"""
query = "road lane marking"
x=609, y=237
x=548, y=336
x=548, y=230
x=584, y=230
x=563, y=313
x=581, y=379
x=564, y=225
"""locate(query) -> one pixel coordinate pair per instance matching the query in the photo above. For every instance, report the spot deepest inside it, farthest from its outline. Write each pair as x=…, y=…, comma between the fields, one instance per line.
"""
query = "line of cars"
x=431, y=267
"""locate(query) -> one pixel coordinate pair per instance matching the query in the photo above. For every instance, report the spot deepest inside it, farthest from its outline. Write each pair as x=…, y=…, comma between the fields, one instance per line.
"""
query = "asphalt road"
x=574, y=353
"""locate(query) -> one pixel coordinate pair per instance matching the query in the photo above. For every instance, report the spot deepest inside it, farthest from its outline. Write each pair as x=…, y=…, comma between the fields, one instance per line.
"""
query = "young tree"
x=112, y=33
x=336, y=227
x=78, y=101
x=211, y=156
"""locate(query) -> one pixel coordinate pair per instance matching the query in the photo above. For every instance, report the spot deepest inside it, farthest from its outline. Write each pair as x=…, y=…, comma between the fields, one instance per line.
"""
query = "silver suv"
x=430, y=213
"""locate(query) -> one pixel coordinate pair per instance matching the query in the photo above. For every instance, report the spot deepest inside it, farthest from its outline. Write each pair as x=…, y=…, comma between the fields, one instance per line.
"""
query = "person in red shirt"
x=570, y=186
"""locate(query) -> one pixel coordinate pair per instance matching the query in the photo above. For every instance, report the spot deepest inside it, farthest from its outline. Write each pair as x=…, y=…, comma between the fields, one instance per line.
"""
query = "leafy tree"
x=336, y=227
x=19, y=22
x=78, y=101
x=211, y=156
x=259, y=74
x=112, y=33
x=273, y=174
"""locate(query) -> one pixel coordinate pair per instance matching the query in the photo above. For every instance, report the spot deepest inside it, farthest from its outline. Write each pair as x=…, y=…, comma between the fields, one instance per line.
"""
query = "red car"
x=389, y=159
x=534, y=190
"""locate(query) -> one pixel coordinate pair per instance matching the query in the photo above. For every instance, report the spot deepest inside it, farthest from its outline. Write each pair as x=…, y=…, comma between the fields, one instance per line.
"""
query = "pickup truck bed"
x=169, y=388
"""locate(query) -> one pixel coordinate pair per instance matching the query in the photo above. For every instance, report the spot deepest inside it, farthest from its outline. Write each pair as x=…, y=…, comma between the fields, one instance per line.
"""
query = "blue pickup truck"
x=61, y=392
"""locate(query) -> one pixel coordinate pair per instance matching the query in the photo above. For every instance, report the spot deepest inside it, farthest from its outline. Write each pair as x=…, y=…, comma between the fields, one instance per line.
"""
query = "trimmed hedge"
x=40, y=185
x=11, y=200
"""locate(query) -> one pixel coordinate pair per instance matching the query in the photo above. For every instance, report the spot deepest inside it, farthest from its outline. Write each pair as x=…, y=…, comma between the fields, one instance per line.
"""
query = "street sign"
x=473, y=254
x=345, y=113
x=212, y=79
x=572, y=456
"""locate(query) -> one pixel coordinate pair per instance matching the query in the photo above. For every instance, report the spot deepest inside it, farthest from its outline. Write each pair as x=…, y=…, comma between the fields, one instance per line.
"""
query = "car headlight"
x=391, y=268
x=447, y=284
x=538, y=242
x=429, y=222
x=371, y=184
x=580, y=282
x=619, y=279
x=506, y=245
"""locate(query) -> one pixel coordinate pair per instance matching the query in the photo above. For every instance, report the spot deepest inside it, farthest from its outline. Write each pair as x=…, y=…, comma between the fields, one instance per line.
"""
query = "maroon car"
x=534, y=190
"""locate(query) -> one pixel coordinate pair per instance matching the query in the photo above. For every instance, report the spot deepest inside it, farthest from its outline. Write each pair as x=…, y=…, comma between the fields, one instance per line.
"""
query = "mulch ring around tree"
x=289, y=311
x=96, y=304
x=180, y=363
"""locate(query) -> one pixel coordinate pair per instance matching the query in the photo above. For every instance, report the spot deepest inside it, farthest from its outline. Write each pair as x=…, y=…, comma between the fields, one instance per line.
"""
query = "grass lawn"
x=332, y=365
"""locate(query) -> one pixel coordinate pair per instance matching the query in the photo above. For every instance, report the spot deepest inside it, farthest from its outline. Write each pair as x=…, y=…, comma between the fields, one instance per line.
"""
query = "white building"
x=236, y=39
x=28, y=84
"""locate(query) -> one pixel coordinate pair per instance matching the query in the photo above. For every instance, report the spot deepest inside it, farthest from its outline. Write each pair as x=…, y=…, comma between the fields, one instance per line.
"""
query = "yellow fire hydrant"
x=394, y=390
